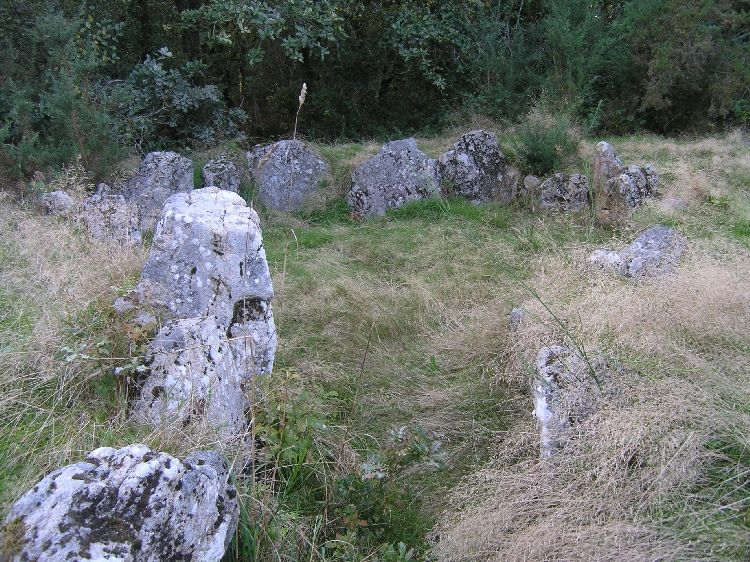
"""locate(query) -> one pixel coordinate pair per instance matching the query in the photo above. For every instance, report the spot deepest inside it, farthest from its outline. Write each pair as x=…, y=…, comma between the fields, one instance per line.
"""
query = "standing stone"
x=207, y=259
x=127, y=504
x=222, y=173
x=161, y=175
x=475, y=169
x=566, y=390
x=619, y=188
x=563, y=192
x=656, y=251
x=399, y=173
x=57, y=203
x=287, y=174
x=110, y=218
x=192, y=379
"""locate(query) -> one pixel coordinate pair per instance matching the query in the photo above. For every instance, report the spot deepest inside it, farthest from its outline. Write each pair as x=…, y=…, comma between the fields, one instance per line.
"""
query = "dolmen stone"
x=221, y=173
x=399, y=173
x=564, y=192
x=57, y=203
x=160, y=175
x=109, y=217
x=619, y=188
x=127, y=504
x=567, y=389
x=476, y=169
x=288, y=173
x=656, y=251
x=208, y=279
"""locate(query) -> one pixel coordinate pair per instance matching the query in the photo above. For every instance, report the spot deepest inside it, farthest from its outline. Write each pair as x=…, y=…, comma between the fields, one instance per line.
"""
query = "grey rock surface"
x=516, y=317
x=475, y=169
x=129, y=504
x=399, y=173
x=207, y=260
x=57, y=203
x=619, y=188
x=222, y=173
x=192, y=379
x=110, y=218
x=160, y=175
x=287, y=173
x=567, y=390
x=654, y=252
x=563, y=192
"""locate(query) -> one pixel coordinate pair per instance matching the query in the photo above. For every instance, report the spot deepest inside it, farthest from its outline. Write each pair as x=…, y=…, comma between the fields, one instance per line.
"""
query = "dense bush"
x=543, y=143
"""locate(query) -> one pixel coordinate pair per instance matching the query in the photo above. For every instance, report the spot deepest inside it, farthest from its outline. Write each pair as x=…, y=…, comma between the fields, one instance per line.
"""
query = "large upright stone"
x=160, y=175
x=207, y=260
x=475, y=169
x=287, y=173
x=221, y=172
x=399, y=173
x=567, y=389
x=563, y=192
x=129, y=504
x=656, y=251
x=619, y=188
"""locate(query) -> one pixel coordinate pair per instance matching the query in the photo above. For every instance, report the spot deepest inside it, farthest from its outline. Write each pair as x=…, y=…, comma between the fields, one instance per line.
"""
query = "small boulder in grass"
x=221, y=173
x=656, y=251
x=619, y=188
x=126, y=504
x=564, y=192
x=57, y=203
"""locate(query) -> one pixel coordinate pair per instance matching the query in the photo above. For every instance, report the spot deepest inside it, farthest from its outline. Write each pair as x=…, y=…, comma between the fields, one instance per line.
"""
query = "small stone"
x=128, y=504
x=288, y=173
x=516, y=317
x=563, y=192
x=656, y=251
x=399, y=173
x=221, y=173
x=110, y=218
x=57, y=203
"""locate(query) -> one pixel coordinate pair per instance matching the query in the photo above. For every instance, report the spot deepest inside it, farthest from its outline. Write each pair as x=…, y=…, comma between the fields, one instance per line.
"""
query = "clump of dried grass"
x=620, y=488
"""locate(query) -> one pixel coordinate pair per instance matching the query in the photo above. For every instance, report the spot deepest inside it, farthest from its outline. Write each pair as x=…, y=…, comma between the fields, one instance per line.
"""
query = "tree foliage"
x=146, y=73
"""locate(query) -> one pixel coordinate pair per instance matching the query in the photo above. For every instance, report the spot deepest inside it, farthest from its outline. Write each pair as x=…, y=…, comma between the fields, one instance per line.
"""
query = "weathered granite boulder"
x=287, y=173
x=563, y=192
x=192, y=379
x=619, y=188
x=127, y=504
x=110, y=218
x=207, y=260
x=655, y=252
x=160, y=175
x=567, y=389
x=222, y=173
x=475, y=169
x=57, y=203
x=399, y=173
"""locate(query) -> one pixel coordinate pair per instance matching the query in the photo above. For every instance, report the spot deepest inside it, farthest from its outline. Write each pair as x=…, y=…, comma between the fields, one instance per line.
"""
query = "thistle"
x=302, y=95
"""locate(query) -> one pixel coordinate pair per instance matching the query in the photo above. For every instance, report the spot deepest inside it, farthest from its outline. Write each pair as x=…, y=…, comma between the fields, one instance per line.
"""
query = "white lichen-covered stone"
x=208, y=259
x=130, y=504
x=563, y=192
x=192, y=379
x=655, y=252
x=110, y=218
x=287, y=173
x=160, y=175
x=476, y=169
x=57, y=203
x=221, y=173
x=399, y=173
x=567, y=389
x=619, y=188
